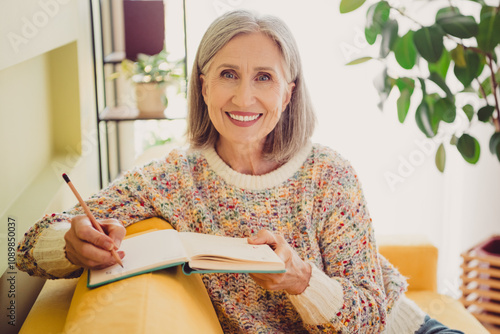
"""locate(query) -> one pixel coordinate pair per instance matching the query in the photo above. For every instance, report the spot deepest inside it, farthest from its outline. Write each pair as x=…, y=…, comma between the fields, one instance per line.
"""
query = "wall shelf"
x=114, y=57
x=126, y=113
x=110, y=112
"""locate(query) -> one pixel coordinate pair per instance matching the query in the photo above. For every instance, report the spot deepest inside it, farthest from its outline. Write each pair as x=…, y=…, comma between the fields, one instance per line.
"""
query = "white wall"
x=454, y=210
x=40, y=117
x=47, y=125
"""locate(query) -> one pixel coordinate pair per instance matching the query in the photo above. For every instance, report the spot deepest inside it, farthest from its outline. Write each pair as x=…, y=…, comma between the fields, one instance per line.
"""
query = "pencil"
x=89, y=214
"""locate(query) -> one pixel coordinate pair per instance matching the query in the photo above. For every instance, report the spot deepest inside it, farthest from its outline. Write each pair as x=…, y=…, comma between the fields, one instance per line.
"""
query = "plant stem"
x=481, y=89
x=408, y=17
x=475, y=49
x=494, y=86
x=453, y=7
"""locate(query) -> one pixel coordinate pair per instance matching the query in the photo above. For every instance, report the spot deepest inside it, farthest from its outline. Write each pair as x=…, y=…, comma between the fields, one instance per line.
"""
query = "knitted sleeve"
x=351, y=277
x=134, y=196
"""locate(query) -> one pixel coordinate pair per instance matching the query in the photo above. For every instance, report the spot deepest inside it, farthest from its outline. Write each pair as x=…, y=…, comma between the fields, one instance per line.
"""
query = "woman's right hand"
x=88, y=248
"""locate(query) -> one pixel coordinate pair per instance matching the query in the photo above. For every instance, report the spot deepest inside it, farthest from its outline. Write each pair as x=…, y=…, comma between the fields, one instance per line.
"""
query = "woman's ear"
x=288, y=95
x=203, y=87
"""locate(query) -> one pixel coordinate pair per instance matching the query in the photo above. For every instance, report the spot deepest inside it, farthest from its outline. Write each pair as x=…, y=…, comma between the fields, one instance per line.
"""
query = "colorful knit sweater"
x=314, y=201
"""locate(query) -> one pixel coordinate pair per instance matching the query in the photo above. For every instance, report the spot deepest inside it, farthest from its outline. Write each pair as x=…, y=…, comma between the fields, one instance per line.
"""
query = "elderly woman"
x=251, y=171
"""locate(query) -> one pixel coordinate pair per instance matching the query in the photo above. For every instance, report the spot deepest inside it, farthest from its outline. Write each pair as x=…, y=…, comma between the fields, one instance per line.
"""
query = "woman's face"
x=245, y=89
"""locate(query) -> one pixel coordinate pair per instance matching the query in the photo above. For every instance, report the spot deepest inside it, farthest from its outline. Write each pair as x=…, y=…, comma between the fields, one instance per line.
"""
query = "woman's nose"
x=244, y=94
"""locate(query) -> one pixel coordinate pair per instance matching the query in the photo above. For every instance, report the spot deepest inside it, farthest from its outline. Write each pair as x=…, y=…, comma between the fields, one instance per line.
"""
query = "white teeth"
x=244, y=118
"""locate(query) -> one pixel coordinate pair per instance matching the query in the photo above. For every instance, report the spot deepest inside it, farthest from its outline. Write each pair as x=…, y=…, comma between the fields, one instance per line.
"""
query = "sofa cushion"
x=447, y=310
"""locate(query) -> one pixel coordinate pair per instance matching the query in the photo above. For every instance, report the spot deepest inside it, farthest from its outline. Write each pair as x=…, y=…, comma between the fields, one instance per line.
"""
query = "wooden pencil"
x=89, y=214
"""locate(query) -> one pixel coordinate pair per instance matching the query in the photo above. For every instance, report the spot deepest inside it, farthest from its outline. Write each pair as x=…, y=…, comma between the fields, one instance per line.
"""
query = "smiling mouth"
x=242, y=118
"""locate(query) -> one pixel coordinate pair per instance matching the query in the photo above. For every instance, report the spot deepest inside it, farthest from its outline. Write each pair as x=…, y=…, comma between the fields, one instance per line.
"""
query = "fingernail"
x=109, y=246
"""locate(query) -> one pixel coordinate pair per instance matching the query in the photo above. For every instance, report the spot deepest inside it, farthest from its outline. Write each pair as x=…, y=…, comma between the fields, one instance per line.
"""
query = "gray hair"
x=296, y=124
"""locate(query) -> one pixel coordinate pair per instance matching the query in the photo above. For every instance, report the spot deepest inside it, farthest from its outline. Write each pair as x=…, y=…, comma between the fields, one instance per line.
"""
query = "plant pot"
x=150, y=98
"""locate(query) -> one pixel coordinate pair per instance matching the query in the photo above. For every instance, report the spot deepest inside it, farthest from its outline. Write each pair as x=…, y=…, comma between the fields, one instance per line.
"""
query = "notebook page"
x=144, y=252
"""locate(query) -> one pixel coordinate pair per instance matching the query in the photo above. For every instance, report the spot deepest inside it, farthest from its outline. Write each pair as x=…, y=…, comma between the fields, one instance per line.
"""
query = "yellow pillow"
x=165, y=301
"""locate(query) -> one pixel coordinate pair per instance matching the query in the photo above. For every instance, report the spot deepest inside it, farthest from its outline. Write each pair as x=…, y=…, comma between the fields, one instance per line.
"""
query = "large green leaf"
x=495, y=143
x=423, y=119
x=429, y=43
x=347, y=6
x=389, y=37
x=438, y=80
x=458, y=56
x=406, y=87
x=469, y=111
x=376, y=16
x=445, y=109
x=442, y=66
x=436, y=113
x=405, y=52
x=456, y=24
x=405, y=83
x=469, y=148
x=486, y=84
x=487, y=11
x=403, y=105
x=472, y=69
x=488, y=36
x=484, y=114
x=440, y=158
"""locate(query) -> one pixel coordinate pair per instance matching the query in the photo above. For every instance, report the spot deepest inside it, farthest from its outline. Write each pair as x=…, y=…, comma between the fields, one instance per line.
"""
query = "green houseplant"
x=455, y=47
x=151, y=74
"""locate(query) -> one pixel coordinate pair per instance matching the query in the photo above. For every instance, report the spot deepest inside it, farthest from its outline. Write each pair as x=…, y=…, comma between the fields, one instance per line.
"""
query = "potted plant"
x=455, y=47
x=151, y=74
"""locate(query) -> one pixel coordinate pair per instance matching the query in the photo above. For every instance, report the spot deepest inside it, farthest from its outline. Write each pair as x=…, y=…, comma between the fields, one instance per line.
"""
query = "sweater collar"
x=256, y=182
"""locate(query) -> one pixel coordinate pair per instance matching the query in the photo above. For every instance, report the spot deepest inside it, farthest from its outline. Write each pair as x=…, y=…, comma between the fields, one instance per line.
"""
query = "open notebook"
x=196, y=252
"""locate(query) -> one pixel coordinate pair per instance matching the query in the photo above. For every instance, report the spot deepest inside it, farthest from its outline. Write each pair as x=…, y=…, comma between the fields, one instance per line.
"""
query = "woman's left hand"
x=298, y=272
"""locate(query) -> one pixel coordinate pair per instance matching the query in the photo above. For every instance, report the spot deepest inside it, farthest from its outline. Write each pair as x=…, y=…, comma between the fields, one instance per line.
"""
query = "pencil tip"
x=65, y=177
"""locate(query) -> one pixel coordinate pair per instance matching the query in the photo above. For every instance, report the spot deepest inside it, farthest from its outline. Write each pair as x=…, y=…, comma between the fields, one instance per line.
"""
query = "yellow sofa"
x=168, y=301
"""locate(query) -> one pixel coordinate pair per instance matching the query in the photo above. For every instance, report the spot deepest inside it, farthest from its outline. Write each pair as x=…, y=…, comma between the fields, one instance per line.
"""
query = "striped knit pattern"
x=315, y=201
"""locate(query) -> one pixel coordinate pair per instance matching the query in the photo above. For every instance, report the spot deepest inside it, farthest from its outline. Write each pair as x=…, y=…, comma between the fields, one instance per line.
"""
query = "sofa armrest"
x=165, y=301
x=415, y=258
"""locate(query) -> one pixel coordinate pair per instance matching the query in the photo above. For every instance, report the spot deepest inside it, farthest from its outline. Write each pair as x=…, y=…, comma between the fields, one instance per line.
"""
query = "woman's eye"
x=227, y=75
x=263, y=77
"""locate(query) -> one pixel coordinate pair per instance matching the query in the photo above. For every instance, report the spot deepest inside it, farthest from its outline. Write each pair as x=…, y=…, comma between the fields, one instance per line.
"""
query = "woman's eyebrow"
x=231, y=66
x=257, y=69
x=265, y=69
